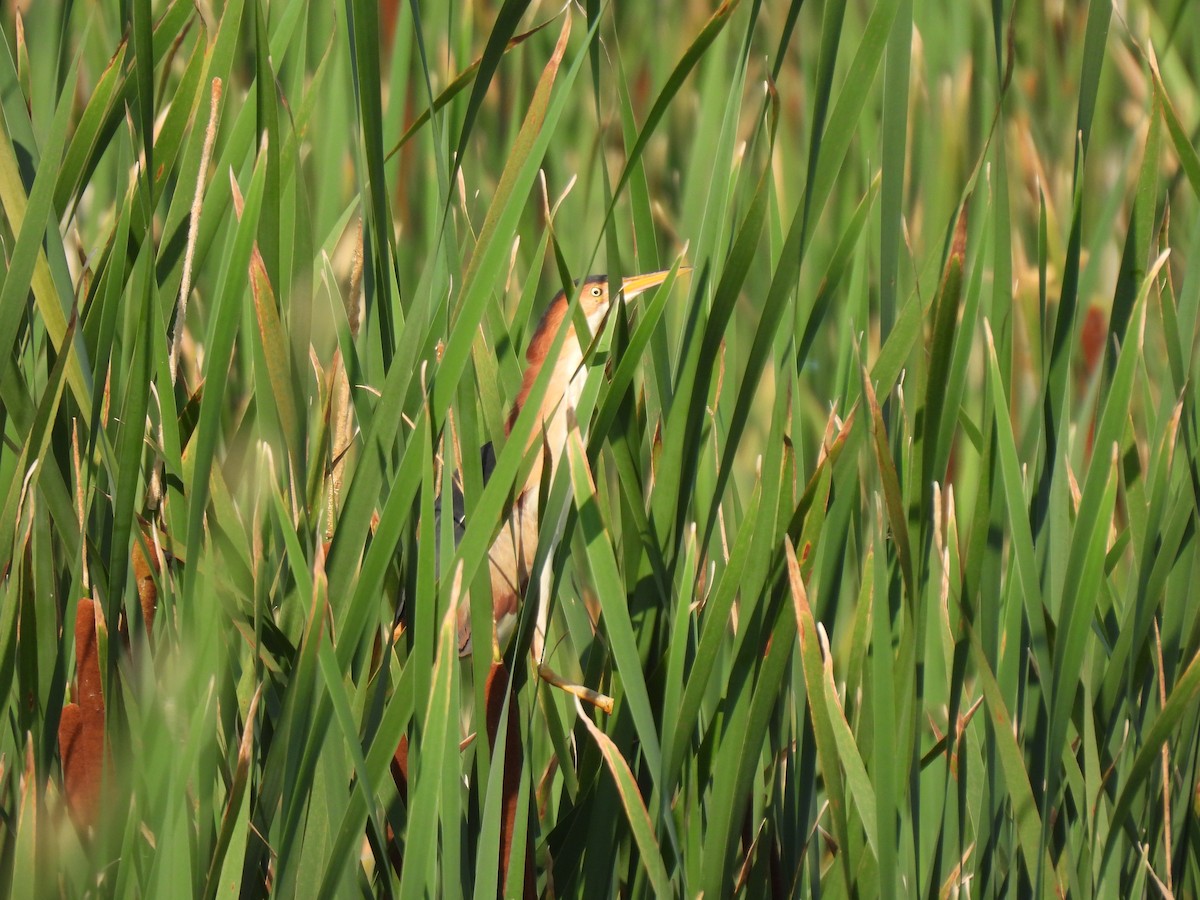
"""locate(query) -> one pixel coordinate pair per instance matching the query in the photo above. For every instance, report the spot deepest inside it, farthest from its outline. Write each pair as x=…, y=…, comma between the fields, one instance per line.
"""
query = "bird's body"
x=511, y=556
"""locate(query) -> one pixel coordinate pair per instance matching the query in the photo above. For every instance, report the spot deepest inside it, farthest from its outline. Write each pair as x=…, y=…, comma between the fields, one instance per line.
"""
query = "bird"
x=511, y=555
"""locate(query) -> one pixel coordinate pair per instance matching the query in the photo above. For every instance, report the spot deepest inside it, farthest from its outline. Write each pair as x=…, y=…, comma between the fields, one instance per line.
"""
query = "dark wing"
x=487, y=460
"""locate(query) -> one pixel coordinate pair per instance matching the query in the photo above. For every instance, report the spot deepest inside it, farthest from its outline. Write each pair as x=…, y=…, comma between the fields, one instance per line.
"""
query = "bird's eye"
x=596, y=292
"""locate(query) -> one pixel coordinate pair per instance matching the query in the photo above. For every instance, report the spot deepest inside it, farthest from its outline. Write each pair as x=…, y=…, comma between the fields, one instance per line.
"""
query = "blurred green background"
x=881, y=532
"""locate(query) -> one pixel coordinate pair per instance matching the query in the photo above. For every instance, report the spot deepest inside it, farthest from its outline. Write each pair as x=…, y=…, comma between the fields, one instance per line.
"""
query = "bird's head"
x=595, y=295
x=594, y=299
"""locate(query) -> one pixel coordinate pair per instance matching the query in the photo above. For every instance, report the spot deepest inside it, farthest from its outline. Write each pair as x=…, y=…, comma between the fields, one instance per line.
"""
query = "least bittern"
x=511, y=557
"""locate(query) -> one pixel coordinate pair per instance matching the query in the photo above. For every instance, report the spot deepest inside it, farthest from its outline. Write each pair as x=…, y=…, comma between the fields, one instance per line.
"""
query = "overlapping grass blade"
x=992, y=685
